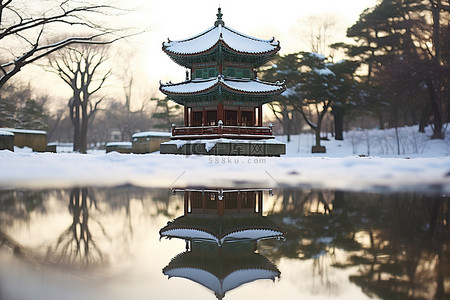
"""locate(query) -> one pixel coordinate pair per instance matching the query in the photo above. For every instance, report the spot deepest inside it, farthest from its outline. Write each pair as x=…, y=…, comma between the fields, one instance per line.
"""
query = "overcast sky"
x=180, y=19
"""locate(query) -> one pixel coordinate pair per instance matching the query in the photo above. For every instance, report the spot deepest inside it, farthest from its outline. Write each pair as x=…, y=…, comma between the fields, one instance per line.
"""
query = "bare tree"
x=321, y=31
x=80, y=68
x=284, y=113
x=28, y=29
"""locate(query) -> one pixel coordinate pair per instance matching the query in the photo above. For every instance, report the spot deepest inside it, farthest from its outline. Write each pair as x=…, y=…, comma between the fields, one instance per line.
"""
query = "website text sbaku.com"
x=236, y=160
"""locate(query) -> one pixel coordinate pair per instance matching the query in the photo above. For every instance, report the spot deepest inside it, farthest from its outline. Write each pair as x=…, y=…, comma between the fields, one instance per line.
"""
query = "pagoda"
x=222, y=228
x=222, y=95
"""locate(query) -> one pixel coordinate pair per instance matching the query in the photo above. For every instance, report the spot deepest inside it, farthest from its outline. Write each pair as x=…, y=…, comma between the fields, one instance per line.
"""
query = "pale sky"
x=180, y=19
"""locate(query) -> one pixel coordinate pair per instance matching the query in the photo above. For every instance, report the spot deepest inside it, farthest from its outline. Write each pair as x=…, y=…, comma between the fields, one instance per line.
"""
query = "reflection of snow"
x=319, y=254
x=249, y=234
x=324, y=240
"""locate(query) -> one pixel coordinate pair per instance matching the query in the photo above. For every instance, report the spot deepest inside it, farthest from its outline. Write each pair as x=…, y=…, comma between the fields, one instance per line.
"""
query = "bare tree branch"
x=35, y=31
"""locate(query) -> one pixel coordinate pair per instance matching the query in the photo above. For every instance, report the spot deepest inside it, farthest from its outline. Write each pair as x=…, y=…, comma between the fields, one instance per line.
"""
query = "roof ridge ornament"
x=219, y=20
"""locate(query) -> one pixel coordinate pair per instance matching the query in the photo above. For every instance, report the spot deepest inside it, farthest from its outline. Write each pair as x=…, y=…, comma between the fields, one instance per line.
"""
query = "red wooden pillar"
x=239, y=115
x=186, y=116
x=260, y=115
x=220, y=114
x=204, y=117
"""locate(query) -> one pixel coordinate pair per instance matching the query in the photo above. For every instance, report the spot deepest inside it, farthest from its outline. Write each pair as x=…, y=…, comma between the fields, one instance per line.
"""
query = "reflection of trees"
x=407, y=253
x=400, y=243
x=83, y=242
x=76, y=246
x=17, y=205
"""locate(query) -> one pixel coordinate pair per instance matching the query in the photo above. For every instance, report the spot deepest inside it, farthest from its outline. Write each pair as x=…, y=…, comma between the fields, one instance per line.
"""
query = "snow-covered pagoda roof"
x=230, y=40
x=220, y=231
x=220, y=273
x=205, y=86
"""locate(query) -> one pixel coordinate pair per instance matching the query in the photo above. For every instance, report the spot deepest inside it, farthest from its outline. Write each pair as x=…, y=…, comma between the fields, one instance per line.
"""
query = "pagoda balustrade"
x=222, y=131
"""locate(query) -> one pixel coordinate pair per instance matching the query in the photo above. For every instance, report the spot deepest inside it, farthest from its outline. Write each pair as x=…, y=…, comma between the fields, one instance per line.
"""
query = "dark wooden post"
x=220, y=206
x=204, y=201
x=186, y=117
x=204, y=120
x=186, y=202
x=173, y=129
x=260, y=116
x=239, y=200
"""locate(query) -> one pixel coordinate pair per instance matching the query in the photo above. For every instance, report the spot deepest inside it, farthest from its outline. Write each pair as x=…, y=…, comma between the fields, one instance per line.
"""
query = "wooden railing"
x=221, y=130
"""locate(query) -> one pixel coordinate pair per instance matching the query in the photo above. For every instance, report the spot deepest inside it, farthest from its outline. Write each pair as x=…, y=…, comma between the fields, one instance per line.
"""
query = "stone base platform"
x=224, y=147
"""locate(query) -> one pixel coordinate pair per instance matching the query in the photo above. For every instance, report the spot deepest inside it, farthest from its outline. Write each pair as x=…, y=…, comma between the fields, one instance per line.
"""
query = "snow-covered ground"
x=365, y=160
x=406, y=143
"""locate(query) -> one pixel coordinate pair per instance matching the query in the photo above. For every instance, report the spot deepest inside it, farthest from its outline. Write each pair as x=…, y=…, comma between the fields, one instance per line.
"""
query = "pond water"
x=137, y=243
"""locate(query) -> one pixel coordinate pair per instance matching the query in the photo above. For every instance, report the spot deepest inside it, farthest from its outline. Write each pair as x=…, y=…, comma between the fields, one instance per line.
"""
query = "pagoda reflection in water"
x=221, y=228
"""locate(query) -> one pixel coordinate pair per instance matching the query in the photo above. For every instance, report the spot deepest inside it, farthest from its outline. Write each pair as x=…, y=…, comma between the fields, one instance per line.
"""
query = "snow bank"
x=365, y=160
x=41, y=170
x=151, y=133
x=406, y=143
x=2, y=132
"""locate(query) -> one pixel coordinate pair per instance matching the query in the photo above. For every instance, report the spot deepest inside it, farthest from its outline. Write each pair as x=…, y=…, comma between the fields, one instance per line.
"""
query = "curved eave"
x=184, y=59
x=225, y=45
x=278, y=88
x=189, y=233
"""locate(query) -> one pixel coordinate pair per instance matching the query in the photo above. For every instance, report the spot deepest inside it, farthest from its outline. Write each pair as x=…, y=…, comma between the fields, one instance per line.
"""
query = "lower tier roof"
x=220, y=230
x=197, y=87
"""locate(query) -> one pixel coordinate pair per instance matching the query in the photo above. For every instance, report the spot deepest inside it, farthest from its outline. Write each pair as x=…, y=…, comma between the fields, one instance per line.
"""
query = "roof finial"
x=219, y=20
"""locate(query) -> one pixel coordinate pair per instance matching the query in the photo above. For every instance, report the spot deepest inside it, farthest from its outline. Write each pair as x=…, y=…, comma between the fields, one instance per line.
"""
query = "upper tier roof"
x=186, y=51
x=229, y=37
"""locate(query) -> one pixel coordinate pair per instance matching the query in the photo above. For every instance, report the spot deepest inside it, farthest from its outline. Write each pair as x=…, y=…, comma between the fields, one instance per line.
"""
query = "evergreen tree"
x=407, y=38
x=314, y=86
x=166, y=113
x=19, y=108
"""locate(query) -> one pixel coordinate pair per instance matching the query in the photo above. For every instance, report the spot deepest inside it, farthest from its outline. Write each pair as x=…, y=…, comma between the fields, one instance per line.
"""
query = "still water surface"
x=136, y=243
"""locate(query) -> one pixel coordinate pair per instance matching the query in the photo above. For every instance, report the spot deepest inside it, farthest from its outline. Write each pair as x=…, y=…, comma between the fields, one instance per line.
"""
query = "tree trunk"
x=424, y=118
x=74, y=107
x=317, y=148
x=338, y=113
x=84, y=129
x=434, y=80
x=287, y=129
x=436, y=109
